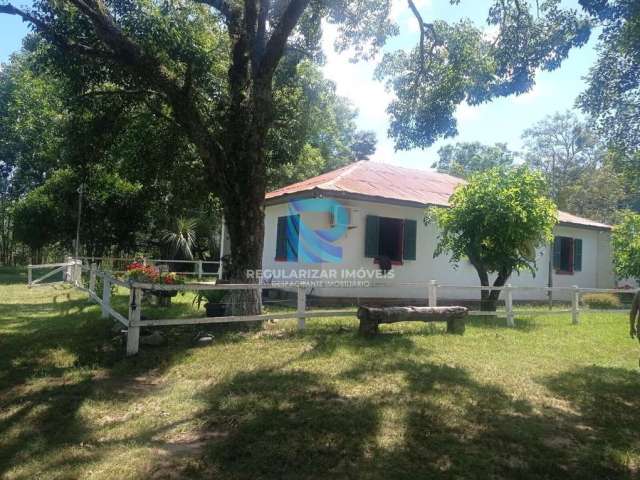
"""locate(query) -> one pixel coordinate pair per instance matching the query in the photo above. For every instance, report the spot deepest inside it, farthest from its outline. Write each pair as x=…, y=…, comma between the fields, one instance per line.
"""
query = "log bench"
x=371, y=317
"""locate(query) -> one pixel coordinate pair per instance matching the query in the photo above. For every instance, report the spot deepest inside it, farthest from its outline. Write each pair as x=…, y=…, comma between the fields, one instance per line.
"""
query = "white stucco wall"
x=596, y=262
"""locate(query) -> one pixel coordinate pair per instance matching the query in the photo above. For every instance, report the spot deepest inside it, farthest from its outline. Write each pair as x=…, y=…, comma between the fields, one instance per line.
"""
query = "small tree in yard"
x=626, y=246
x=496, y=221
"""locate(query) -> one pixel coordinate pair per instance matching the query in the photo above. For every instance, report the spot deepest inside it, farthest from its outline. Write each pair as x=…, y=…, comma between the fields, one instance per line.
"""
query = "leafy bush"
x=601, y=300
x=209, y=296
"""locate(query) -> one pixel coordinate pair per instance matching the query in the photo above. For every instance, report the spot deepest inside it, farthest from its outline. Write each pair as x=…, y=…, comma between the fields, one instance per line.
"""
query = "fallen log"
x=371, y=317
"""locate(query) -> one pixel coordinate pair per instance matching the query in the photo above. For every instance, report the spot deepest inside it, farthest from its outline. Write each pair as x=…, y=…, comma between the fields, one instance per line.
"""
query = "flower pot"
x=215, y=309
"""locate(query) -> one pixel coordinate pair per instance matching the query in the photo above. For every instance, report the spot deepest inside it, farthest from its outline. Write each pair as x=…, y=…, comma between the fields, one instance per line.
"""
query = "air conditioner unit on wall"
x=352, y=217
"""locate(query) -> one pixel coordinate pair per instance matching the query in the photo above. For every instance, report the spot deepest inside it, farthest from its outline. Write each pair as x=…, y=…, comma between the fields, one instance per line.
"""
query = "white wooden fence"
x=198, y=266
x=73, y=274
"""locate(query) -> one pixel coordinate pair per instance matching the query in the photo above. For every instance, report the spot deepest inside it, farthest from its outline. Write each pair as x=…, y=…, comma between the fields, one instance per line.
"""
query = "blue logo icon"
x=316, y=245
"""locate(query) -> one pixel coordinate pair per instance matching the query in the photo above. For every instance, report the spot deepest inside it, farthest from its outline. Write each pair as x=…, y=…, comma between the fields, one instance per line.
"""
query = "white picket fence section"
x=73, y=269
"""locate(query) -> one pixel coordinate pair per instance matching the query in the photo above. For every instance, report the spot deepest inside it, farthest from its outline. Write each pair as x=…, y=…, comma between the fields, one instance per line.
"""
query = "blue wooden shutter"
x=371, y=236
x=409, y=240
x=293, y=237
x=557, y=252
x=577, y=254
x=281, y=239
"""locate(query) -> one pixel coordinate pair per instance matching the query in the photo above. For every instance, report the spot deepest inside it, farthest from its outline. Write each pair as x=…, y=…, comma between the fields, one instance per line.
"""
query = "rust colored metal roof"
x=384, y=181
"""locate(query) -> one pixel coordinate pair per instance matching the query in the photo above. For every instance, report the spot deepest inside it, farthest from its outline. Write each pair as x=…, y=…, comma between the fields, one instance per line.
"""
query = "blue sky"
x=502, y=120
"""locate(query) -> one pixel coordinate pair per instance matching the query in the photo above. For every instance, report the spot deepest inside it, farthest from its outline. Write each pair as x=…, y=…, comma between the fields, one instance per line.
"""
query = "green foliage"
x=601, y=301
x=625, y=240
x=466, y=158
x=315, y=132
x=208, y=296
x=497, y=220
x=562, y=147
x=315, y=129
x=32, y=120
x=612, y=97
x=597, y=194
x=112, y=211
x=37, y=218
x=457, y=62
x=183, y=238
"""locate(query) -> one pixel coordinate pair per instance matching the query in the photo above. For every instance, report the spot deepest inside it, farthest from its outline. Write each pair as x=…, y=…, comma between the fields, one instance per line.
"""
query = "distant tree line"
x=586, y=175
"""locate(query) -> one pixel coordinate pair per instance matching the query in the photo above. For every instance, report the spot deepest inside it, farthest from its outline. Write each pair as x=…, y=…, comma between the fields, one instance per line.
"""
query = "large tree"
x=626, y=246
x=563, y=147
x=171, y=52
x=597, y=194
x=106, y=128
x=466, y=158
x=496, y=221
x=612, y=97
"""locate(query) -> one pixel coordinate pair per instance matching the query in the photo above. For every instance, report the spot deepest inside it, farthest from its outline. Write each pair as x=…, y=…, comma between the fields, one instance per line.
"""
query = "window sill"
x=562, y=272
x=393, y=262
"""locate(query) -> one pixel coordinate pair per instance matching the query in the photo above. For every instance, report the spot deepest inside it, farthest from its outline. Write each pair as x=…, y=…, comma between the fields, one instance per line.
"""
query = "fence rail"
x=199, y=269
x=73, y=269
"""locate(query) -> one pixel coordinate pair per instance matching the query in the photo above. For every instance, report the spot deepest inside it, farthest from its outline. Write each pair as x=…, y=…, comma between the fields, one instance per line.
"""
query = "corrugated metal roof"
x=384, y=181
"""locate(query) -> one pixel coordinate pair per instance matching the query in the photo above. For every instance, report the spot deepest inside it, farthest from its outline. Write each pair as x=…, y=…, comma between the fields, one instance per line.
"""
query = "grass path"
x=543, y=400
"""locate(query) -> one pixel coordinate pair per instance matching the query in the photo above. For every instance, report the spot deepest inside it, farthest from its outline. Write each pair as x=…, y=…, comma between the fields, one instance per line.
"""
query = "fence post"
x=509, y=305
x=92, y=278
x=433, y=293
x=575, y=303
x=77, y=272
x=133, y=332
x=302, y=306
x=67, y=270
x=199, y=269
x=29, y=275
x=106, y=296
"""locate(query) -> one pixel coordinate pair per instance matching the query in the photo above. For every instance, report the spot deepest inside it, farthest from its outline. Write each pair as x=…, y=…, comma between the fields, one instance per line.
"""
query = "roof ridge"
x=346, y=170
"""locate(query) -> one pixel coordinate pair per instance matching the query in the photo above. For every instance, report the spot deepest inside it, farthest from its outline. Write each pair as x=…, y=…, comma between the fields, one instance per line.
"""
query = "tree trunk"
x=489, y=298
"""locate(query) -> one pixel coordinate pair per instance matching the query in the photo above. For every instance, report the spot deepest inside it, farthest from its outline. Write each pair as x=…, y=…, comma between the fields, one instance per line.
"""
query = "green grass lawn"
x=543, y=400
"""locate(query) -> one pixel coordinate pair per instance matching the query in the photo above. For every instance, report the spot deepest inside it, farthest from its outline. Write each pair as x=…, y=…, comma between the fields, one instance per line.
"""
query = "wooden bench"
x=371, y=317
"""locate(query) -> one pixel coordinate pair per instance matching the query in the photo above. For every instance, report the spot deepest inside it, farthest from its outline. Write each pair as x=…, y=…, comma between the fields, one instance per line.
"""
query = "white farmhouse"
x=385, y=206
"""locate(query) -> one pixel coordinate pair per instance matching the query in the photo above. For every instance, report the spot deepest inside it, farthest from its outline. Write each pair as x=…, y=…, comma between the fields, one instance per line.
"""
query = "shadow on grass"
x=327, y=344
x=277, y=424
x=53, y=358
x=607, y=410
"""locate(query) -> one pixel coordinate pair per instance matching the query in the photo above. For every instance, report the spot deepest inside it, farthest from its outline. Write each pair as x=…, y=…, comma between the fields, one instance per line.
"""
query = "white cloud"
x=384, y=151
x=355, y=81
x=467, y=113
x=535, y=94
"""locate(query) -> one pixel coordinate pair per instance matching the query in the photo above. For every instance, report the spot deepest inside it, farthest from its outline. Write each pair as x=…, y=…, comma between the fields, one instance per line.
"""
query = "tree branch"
x=152, y=72
x=230, y=13
x=46, y=31
x=278, y=41
x=416, y=14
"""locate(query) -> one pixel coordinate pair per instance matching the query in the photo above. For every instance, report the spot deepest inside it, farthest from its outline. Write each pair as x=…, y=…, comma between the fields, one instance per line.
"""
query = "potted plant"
x=214, y=305
x=139, y=272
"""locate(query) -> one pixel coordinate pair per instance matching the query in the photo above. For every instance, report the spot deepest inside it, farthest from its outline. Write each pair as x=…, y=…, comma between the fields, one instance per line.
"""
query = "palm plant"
x=183, y=239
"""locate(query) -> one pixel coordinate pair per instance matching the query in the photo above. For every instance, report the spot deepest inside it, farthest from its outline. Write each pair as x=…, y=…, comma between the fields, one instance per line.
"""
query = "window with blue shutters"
x=567, y=255
x=287, y=238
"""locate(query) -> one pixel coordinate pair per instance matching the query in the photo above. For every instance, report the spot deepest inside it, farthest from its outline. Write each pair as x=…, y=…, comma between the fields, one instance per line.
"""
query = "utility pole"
x=80, y=193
